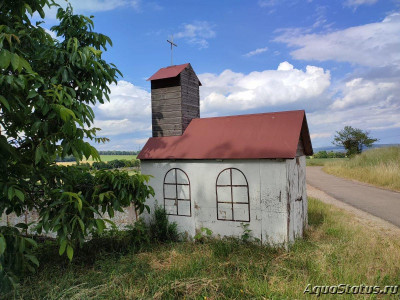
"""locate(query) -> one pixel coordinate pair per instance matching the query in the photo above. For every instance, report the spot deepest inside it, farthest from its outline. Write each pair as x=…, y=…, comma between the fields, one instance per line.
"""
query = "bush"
x=161, y=229
x=101, y=165
x=116, y=164
x=136, y=163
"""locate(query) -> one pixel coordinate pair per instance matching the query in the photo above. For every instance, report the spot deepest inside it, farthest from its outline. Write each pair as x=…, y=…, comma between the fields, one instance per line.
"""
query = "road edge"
x=361, y=216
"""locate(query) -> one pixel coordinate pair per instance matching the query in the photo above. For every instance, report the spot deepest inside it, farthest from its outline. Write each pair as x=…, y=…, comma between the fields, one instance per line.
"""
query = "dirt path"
x=351, y=195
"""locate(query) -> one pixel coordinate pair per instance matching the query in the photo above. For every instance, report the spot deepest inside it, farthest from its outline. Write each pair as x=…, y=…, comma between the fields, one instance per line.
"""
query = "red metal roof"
x=267, y=135
x=168, y=72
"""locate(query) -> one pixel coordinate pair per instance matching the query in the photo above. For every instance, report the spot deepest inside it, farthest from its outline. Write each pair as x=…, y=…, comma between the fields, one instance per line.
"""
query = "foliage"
x=334, y=243
x=47, y=89
x=203, y=235
x=15, y=255
x=161, y=229
x=246, y=235
x=116, y=163
x=353, y=140
x=330, y=154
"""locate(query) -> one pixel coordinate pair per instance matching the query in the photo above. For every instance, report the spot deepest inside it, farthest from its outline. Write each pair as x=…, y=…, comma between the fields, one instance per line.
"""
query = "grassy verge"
x=335, y=250
x=322, y=161
x=379, y=167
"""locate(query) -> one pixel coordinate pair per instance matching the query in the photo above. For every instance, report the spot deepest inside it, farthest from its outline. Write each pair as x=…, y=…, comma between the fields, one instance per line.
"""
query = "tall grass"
x=322, y=161
x=379, y=166
x=335, y=250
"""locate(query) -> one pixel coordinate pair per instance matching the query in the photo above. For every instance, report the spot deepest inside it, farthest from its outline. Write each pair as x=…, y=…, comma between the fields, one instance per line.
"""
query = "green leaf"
x=32, y=259
x=31, y=94
x=11, y=193
x=19, y=194
x=79, y=204
x=4, y=102
x=38, y=154
x=5, y=58
x=82, y=225
x=31, y=241
x=28, y=8
x=70, y=252
x=100, y=225
x=14, y=61
x=22, y=226
x=2, y=244
x=63, y=245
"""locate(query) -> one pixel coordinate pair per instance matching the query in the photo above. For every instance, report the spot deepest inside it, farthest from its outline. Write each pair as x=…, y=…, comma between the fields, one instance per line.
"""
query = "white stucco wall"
x=268, y=193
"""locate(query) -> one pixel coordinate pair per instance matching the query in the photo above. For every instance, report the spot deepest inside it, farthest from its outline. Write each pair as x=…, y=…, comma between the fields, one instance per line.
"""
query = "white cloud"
x=198, y=33
x=361, y=91
x=355, y=3
x=320, y=135
x=238, y=91
x=52, y=33
x=140, y=141
x=128, y=111
x=117, y=127
x=374, y=44
x=363, y=103
x=126, y=101
x=255, y=52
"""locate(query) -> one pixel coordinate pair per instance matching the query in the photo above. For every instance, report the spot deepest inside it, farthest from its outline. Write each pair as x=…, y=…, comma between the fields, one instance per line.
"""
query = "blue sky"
x=338, y=60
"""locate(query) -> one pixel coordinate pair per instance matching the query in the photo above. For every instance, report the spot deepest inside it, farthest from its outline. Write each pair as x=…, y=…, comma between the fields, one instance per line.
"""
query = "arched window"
x=233, y=203
x=177, y=194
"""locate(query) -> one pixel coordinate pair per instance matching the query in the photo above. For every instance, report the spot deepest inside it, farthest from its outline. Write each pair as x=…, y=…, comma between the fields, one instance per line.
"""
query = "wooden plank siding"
x=173, y=107
x=190, y=96
x=300, y=147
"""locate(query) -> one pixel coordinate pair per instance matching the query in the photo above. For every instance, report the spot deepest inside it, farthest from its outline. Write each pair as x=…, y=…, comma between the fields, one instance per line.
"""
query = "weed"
x=203, y=235
x=161, y=229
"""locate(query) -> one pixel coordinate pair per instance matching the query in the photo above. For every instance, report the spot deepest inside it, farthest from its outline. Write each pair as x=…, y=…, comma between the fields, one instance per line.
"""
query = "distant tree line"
x=114, y=152
x=331, y=154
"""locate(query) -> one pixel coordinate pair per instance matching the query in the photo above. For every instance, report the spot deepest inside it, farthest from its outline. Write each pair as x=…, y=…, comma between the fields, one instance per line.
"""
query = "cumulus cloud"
x=126, y=101
x=255, y=52
x=374, y=44
x=315, y=136
x=197, y=33
x=238, y=91
x=118, y=127
x=128, y=112
x=360, y=91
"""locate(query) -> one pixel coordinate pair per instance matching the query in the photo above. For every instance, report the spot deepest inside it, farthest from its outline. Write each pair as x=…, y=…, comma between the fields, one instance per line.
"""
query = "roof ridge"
x=247, y=115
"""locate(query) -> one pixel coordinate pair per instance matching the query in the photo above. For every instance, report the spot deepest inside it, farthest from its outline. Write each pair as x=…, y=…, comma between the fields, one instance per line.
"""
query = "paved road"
x=378, y=202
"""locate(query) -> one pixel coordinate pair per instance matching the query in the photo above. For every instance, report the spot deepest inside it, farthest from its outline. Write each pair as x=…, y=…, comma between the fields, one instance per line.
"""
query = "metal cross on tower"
x=172, y=49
